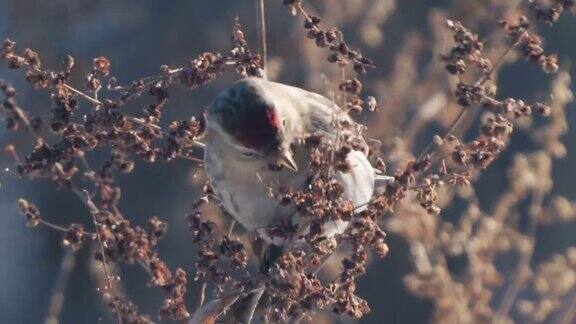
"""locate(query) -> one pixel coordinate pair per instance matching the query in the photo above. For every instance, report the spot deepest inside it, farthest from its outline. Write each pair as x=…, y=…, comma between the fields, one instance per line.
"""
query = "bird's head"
x=247, y=117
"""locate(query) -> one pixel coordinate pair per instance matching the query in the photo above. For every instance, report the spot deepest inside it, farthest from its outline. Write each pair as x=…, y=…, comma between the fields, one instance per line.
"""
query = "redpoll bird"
x=254, y=132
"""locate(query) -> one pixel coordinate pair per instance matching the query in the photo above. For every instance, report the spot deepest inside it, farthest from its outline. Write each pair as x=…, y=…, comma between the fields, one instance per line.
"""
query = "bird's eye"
x=283, y=122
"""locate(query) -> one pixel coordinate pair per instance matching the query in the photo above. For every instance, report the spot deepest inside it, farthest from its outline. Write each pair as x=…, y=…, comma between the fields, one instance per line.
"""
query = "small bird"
x=254, y=132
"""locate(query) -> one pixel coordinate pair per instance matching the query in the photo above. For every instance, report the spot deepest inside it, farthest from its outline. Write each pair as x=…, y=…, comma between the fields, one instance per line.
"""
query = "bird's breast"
x=246, y=187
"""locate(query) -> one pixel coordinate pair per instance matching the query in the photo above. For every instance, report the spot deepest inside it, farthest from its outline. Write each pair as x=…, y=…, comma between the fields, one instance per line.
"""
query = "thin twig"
x=97, y=102
x=83, y=95
x=261, y=28
x=202, y=295
x=135, y=120
x=567, y=311
x=191, y=158
x=84, y=195
x=523, y=266
x=22, y=115
x=450, y=131
x=485, y=77
x=100, y=281
x=496, y=65
x=52, y=226
x=231, y=228
x=57, y=299
x=306, y=16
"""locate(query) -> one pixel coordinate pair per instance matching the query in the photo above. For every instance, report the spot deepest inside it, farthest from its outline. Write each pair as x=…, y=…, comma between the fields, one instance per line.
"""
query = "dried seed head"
x=101, y=65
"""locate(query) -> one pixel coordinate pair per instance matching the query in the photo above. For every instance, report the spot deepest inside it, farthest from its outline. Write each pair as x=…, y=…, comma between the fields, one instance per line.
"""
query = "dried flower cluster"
x=530, y=45
x=551, y=12
x=479, y=290
x=127, y=312
x=340, y=54
x=215, y=249
x=30, y=211
x=63, y=160
x=553, y=282
x=316, y=273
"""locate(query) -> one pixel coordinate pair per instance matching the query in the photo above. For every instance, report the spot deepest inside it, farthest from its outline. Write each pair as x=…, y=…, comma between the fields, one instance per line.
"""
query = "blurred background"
x=139, y=36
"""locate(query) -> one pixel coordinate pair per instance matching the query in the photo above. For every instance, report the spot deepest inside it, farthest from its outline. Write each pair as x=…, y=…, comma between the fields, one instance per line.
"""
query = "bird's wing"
x=358, y=184
x=359, y=181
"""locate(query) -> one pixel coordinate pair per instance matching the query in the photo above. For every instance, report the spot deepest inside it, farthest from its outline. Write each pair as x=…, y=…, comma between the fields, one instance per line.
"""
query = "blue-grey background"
x=139, y=36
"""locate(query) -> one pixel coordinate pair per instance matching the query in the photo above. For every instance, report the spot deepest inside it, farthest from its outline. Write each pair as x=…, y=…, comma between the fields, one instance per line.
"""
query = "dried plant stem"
x=100, y=281
x=83, y=95
x=523, y=266
x=26, y=122
x=518, y=280
x=344, y=94
x=224, y=264
x=231, y=228
x=305, y=14
x=96, y=102
x=262, y=39
x=450, y=131
x=135, y=120
x=57, y=299
x=202, y=296
x=191, y=158
x=496, y=66
x=84, y=195
x=483, y=79
x=62, y=229
x=256, y=294
x=52, y=226
x=567, y=311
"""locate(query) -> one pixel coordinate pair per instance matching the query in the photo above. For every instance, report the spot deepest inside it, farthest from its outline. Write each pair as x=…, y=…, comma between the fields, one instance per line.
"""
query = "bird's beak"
x=287, y=159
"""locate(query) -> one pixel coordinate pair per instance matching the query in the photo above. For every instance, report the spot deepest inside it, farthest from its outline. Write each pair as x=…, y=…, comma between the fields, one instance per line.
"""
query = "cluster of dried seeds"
x=551, y=13
x=63, y=159
x=340, y=54
x=294, y=288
